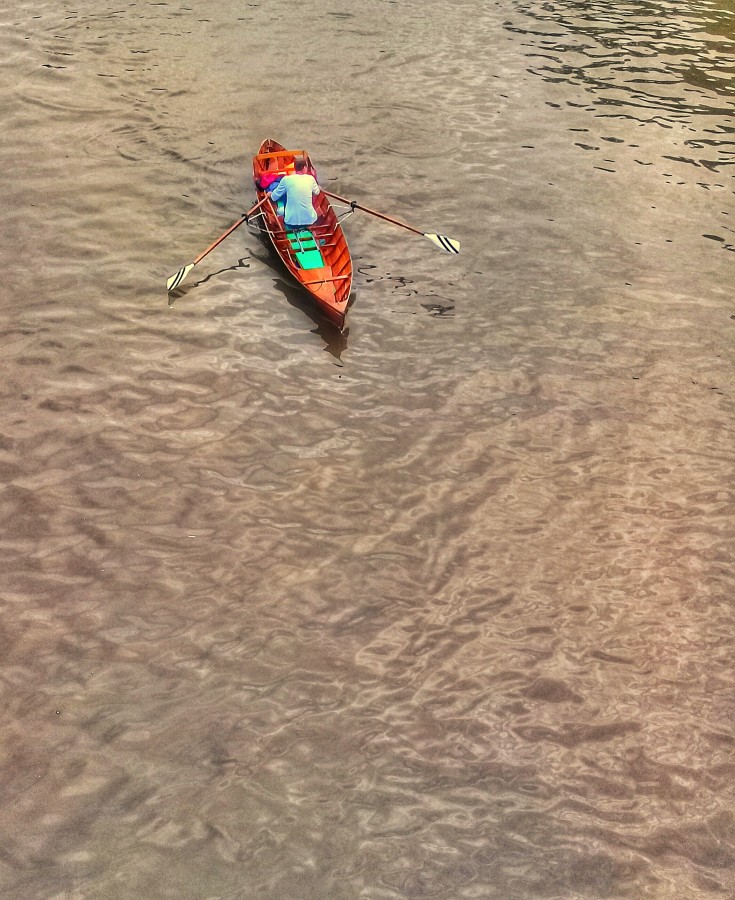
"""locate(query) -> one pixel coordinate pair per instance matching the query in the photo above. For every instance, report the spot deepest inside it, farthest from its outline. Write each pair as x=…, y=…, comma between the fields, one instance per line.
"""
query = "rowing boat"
x=317, y=257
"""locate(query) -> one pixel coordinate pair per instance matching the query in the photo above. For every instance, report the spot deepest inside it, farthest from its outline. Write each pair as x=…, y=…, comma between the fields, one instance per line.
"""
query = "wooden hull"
x=325, y=270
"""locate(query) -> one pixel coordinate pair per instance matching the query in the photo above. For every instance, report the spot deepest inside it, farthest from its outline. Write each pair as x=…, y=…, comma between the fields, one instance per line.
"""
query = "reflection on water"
x=335, y=341
x=656, y=66
x=437, y=607
x=646, y=56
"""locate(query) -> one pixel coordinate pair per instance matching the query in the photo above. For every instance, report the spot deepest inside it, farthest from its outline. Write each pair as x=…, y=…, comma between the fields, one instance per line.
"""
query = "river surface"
x=439, y=607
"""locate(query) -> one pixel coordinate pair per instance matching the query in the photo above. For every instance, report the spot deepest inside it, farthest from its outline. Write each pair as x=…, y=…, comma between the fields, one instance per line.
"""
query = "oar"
x=175, y=280
x=441, y=240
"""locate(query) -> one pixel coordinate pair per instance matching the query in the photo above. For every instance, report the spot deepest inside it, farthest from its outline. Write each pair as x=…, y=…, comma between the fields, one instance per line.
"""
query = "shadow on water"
x=437, y=305
x=181, y=292
x=335, y=340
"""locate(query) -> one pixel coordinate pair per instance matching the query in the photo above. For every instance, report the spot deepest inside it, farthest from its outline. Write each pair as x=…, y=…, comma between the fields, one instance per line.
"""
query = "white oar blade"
x=175, y=280
x=449, y=245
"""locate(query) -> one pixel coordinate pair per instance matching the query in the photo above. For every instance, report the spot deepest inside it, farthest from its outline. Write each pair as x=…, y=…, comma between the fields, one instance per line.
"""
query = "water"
x=441, y=606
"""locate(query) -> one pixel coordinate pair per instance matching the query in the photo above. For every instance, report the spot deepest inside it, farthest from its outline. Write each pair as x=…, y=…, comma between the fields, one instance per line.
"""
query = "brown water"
x=441, y=607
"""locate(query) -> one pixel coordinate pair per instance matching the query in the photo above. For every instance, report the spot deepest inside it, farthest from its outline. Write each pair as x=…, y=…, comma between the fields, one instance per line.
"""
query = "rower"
x=298, y=189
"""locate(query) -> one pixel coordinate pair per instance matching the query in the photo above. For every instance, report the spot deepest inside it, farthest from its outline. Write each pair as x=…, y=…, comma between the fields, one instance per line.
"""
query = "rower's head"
x=300, y=166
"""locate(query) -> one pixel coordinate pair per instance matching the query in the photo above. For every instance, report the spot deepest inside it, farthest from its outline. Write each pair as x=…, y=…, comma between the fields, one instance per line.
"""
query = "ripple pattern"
x=441, y=606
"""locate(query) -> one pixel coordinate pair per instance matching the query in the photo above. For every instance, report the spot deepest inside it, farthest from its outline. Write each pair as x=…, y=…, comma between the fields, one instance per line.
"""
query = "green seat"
x=305, y=250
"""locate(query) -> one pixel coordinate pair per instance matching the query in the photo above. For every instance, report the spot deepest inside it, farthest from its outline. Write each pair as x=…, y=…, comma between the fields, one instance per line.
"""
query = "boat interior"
x=278, y=163
x=309, y=247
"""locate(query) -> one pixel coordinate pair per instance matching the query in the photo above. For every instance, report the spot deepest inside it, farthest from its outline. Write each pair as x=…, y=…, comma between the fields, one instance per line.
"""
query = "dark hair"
x=300, y=165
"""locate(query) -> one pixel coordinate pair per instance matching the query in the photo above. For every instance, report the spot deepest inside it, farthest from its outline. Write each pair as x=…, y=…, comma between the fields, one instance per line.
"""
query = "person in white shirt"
x=298, y=189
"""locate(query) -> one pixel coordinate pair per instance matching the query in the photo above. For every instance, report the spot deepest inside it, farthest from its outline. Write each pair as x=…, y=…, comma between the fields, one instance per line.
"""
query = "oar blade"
x=449, y=245
x=175, y=280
